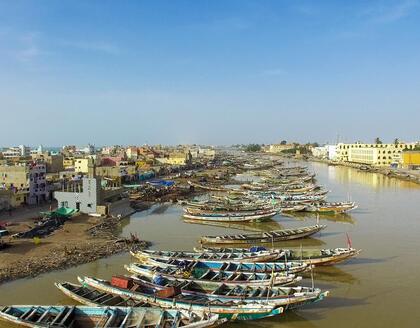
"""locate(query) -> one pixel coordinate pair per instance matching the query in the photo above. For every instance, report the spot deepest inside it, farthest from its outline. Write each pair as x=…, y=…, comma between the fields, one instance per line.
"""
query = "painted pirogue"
x=263, y=237
x=215, y=278
x=248, y=256
x=232, y=310
x=236, y=266
x=104, y=317
x=317, y=257
x=254, y=254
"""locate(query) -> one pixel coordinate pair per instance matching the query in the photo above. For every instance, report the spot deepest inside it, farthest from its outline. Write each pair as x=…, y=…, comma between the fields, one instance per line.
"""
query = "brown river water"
x=380, y=288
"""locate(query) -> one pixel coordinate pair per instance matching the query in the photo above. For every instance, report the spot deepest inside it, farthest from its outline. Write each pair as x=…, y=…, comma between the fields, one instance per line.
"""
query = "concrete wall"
x=86, y=201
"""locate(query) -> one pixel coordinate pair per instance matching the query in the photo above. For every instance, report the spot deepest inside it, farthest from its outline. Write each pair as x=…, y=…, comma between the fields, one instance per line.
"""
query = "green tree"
x=378, y=141
x=283, y=142
x=396, y=141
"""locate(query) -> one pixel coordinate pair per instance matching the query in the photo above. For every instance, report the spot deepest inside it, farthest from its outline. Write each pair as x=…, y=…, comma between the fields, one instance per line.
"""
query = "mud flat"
x=81, y=240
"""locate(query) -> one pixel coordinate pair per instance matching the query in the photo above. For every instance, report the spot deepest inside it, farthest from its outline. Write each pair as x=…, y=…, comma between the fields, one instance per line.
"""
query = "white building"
x=83, y=197
x=332, y=152
x=320, y=152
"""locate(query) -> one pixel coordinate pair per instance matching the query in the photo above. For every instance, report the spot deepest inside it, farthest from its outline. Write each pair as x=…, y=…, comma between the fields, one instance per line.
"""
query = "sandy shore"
x=70, y=245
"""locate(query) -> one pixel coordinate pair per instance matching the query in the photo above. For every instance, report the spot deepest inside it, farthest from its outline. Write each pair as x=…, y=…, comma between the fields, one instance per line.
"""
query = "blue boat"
x=103, y=317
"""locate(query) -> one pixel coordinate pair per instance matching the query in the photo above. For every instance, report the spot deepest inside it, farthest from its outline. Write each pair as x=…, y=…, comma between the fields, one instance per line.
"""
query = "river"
x=380, y=288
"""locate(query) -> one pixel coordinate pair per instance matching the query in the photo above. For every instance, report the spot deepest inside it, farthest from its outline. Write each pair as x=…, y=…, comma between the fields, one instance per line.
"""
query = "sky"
x=208, y=71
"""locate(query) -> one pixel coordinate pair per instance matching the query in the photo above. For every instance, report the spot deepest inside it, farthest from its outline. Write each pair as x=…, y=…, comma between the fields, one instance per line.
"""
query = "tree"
x=396, y=141
x=283, y=142
x=378, y=141
x=252, y=148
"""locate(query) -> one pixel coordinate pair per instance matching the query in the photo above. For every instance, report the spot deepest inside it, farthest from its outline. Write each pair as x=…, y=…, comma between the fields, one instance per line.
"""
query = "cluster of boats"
x=200, y=288
x=283, y=190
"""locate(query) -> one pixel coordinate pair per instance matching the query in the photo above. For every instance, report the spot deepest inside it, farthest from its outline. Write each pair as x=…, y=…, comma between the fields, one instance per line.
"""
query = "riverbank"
x=401, y=174
x=83, y=238
x=80, y=240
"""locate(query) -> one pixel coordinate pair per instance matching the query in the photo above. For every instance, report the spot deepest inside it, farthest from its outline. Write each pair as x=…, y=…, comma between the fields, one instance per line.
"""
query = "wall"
x=88, y=199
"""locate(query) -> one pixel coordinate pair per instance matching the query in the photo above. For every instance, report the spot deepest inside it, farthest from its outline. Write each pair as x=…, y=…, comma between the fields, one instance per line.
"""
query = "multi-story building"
x=278, y=148
x=132, y=153
x=411, y=159
x=81, y=165
x=26, y=177
x=320, y=152
x=54, y=163
x=372, y=154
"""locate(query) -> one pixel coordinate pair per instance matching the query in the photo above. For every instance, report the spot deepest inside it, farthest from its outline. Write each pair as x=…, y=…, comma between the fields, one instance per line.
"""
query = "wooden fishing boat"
x=316, y=257
x=230, y=218
x=236, y=266
x=277, y=296
x=205, y=187
x=102, y=317
x=228, y=211
x=214, y=278
x=250, y=256
x=230, y=310
x=331, y=208
x=199, y=212
x=263, y=237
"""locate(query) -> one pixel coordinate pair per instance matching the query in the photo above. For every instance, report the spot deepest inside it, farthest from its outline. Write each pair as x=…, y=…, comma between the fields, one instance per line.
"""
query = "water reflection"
x=376, y=181
x=251, y=226
x=341, y=217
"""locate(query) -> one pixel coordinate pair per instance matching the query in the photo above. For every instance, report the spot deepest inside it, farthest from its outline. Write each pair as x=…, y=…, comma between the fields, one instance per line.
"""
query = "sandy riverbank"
x=79, y=240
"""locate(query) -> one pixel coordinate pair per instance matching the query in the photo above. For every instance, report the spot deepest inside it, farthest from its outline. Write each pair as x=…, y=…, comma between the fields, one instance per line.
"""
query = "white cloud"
x=392, y=12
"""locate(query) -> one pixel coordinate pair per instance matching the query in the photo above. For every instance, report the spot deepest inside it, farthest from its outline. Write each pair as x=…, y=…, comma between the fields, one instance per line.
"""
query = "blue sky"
x=213, y=72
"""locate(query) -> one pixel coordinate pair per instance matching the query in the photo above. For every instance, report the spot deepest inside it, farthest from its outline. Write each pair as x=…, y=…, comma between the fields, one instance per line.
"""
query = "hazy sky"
x=208, y=71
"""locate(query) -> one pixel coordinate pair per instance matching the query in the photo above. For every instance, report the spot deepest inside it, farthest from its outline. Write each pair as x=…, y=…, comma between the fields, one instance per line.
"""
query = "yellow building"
x=411, y=159
x=68, y=162
x=10, y=198
x=372, y=154
x=14, y=175
x=81, y=165
x=278, y=148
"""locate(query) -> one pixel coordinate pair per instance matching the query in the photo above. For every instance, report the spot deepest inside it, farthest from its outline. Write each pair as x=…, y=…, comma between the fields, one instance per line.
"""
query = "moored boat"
x=102, y=317
x=263, y=237
x=236, y=266
x=232, y=218
x=214, y=278
x=317, y=257
x=250, y=256
x=225, y=309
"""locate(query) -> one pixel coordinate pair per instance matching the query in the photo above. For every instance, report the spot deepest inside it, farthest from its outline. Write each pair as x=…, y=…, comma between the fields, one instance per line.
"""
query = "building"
x=87, y=195
x=411, y=159
x=320, y=152
x=17, y=152
x=81, y=165
x=176, y=158
x=54, y=163
x=372, y=154
x=278, y=148
x=68, y=163
x=84, y=196
x=132, y=153
x=207, y=153
x=26, y=177
x=118, y=174
x=12, y=198
x=332, y=152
